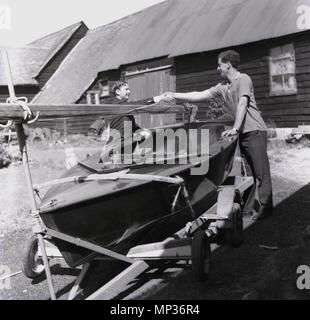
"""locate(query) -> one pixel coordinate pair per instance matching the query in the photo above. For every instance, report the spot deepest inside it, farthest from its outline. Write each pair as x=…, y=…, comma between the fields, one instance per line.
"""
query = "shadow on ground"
x=248, y=272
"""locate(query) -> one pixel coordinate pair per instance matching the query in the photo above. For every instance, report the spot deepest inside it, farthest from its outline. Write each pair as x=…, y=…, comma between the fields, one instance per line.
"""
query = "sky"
x=22, y=21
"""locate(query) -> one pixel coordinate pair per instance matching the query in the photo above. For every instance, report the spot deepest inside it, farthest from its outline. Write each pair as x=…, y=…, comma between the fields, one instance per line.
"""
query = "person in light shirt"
x=238, y=95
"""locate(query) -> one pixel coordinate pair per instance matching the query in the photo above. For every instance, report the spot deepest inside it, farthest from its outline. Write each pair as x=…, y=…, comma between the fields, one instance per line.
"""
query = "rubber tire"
x=234, y=236
x=30, y=266
x=201, y=256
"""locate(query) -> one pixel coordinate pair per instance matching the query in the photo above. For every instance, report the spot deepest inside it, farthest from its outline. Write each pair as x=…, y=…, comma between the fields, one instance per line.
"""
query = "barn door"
x=147, y=84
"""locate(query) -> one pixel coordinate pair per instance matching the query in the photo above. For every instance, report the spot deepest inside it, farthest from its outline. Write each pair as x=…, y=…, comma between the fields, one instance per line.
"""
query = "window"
x=104, y=88
x=282, y=70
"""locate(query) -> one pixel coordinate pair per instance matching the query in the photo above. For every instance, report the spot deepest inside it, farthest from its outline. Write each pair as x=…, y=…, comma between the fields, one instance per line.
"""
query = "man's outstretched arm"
x=195, y=96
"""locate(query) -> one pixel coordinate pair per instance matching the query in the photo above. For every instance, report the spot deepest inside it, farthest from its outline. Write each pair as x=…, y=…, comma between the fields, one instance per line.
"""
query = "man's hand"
x=166, y=97
x=229, y=133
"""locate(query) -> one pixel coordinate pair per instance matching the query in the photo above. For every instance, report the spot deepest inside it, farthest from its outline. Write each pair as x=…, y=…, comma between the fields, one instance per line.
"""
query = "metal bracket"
x=38, y=229
x=35, y=213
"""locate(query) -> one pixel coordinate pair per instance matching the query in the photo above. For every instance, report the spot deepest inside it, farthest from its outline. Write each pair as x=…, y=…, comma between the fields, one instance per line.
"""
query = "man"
x=238, y=95
x=121, y=93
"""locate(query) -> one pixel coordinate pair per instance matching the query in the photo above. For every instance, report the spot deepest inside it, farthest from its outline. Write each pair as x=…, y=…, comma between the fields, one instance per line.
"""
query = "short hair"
x=230, y=56
x=117, y=85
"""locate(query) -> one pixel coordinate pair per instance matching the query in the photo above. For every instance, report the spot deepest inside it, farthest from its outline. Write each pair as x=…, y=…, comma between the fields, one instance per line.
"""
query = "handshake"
x=167, y=97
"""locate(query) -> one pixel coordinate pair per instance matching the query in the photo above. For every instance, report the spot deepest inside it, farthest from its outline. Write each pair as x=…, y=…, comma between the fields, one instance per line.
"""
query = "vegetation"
x=8, y=156
x=217, y=110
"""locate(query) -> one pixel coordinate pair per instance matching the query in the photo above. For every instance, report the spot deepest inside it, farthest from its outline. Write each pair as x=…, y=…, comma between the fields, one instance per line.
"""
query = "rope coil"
x=28, y=115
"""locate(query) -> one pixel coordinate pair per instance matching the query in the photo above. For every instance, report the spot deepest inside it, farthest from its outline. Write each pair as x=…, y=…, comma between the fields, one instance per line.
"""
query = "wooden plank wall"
x=76, y=118
x=144, y=120
x=150, y=84
x=66, y=126
x=112, y=76
x=198, y=72
x=21, y=91
x=80, y=125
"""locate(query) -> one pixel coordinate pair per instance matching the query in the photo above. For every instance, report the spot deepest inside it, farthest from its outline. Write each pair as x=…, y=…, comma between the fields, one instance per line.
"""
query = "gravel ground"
x=247, y=272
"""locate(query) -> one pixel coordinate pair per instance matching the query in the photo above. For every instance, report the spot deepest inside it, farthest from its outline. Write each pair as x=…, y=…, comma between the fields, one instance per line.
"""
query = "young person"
x=238, y=95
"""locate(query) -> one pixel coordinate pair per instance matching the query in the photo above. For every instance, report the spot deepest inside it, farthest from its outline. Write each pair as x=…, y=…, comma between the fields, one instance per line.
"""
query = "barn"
x=34, y=64
x=174, y=46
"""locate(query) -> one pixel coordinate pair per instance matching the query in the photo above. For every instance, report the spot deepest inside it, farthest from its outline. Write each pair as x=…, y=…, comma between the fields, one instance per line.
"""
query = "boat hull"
x=121, y=214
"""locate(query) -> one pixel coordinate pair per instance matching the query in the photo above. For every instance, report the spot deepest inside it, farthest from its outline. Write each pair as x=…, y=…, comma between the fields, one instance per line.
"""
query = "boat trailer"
x=220, y=224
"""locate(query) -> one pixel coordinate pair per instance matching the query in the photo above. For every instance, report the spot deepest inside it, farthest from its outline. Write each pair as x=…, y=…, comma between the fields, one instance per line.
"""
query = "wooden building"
x=174, y=46
x=280, y=71
x=34, y=64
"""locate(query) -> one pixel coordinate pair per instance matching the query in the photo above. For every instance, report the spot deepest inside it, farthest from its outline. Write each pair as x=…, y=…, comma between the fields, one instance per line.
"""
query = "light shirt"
x=231, y=94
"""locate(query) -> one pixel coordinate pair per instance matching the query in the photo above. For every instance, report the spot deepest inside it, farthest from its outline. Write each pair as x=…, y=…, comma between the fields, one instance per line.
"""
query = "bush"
x=216, y=110
x=5, y=157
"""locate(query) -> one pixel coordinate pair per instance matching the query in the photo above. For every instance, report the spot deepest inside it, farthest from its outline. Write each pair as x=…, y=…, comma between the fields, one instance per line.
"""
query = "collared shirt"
x=232, y=93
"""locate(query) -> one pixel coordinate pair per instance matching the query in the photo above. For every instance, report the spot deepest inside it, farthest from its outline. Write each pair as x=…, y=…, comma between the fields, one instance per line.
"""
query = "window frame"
x=283, y=92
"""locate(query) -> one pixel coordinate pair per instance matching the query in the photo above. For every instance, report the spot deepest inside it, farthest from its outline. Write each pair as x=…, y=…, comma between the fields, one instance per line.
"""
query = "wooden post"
x=23, y=149
x=97, y=99
x=88, y=98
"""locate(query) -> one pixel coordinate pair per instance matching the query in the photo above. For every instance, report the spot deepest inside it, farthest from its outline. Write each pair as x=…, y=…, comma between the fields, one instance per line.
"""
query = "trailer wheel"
x=32, y=264
x=201, y=256
x=234, y=236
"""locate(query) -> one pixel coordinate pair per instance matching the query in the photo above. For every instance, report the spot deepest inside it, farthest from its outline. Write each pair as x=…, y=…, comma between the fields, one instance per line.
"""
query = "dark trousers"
x=253, y=148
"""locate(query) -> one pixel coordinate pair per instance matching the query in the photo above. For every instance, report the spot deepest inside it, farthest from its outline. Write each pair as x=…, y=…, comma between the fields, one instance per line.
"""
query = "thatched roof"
x=55, y=41
x=26, y=62
x=171, y=28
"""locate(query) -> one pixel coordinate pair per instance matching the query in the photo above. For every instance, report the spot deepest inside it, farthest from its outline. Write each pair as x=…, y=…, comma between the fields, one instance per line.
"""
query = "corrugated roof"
x=171, y=28
x=26, y=62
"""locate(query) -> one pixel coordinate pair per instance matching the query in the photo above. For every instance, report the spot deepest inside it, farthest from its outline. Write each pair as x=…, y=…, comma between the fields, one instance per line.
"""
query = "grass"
x=47, y=162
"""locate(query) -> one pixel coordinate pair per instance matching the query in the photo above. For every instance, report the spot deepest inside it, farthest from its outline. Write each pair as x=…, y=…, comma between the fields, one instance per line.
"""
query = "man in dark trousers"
x=238, y=95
